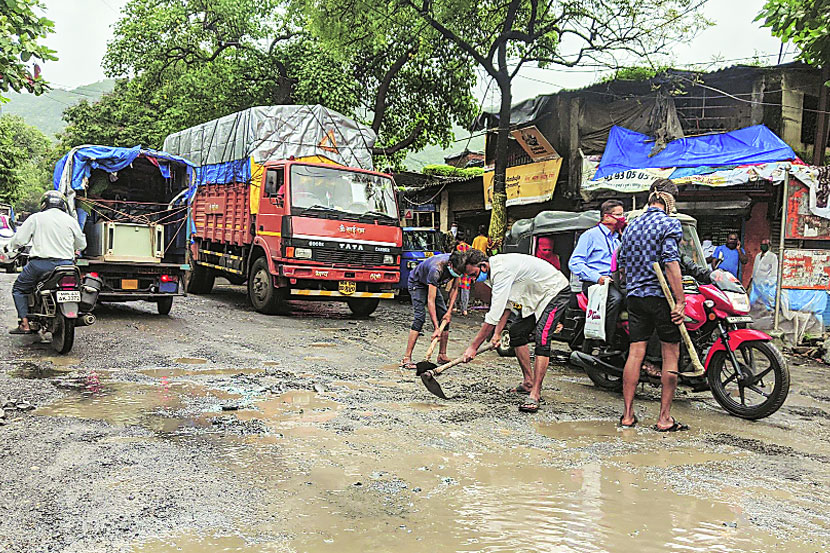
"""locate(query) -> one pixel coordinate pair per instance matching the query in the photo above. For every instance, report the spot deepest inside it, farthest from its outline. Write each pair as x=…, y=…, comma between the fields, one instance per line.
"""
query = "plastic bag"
x=595, y=316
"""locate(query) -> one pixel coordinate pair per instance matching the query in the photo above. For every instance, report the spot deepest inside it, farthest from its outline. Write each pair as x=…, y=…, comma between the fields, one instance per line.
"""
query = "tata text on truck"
x=287, y=201
x=131, y=205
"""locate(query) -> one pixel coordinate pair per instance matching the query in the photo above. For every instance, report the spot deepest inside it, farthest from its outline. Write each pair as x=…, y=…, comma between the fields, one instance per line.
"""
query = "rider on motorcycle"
x=55, y=237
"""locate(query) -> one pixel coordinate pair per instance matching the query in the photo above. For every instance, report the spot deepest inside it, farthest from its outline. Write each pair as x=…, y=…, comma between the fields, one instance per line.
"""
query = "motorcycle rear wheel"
x=63, y=334
x=764, y=362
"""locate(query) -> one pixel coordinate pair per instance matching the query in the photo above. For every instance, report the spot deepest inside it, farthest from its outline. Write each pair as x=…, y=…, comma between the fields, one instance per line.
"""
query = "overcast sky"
x=83, y=27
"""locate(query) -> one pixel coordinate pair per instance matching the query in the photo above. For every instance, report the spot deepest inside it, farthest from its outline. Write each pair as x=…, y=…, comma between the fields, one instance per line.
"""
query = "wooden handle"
x=683, y=332
x=436, y=340
x=438, y=370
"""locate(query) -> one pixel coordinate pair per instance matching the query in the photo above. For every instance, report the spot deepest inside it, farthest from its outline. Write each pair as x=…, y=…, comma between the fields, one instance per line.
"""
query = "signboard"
x=526, y=184
x=534, y=143
x=802, y=224
x=806, y=270
x=407, y=214
x=627, y=182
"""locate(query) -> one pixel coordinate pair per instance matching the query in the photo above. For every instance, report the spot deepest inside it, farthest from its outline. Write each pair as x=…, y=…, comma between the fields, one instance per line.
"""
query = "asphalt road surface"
x=220, y=429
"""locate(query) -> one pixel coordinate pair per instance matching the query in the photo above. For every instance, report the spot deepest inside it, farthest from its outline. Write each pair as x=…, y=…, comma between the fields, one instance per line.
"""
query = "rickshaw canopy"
x=552, y=222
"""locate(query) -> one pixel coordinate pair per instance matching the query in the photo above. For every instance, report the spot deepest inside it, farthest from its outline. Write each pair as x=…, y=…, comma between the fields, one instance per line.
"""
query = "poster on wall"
x=806, y=270
x=526, y=184
x=534, y=143
x=802, y=223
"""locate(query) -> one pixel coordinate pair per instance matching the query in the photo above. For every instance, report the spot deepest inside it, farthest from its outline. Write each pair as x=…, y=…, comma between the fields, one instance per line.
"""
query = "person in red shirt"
x=544, y=250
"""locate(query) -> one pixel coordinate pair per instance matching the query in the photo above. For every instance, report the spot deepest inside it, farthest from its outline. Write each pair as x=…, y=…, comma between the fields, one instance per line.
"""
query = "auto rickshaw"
x=419, y=243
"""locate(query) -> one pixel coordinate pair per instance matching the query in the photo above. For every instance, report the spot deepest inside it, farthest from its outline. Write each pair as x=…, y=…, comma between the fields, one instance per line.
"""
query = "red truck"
x=312, y=231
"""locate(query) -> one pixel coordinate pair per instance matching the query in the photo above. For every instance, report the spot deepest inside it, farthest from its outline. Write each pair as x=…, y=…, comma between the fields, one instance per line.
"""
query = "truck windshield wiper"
x=377, y=214
x=318, y=207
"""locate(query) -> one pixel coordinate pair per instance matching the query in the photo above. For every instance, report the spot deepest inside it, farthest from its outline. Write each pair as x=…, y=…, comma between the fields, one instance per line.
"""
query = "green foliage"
x=20, y=30
x=805, y=23
x=22, y=151
x=450, y=171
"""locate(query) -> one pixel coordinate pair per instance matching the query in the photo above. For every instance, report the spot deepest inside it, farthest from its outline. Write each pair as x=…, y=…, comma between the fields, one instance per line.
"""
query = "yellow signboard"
x=526, y=184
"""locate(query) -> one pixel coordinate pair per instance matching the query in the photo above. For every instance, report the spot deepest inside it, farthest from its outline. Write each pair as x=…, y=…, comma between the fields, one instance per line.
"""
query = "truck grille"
x=350, y=258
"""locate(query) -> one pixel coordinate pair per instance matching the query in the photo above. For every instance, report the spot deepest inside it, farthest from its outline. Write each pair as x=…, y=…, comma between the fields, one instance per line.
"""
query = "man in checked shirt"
x=654, y=236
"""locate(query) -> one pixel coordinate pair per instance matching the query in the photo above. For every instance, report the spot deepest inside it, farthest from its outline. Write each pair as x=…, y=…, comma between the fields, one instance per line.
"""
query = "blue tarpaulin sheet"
x=110, y=159
x=629, y=150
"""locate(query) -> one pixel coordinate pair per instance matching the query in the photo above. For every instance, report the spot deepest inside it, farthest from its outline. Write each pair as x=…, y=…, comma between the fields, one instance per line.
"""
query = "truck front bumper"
x=373, y=276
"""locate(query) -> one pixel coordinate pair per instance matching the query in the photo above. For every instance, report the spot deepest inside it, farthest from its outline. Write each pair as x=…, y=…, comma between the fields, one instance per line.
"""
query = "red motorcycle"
x=745, y=372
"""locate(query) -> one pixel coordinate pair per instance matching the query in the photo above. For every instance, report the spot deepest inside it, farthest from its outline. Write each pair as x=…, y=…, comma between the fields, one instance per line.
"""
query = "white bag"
x=595, y=315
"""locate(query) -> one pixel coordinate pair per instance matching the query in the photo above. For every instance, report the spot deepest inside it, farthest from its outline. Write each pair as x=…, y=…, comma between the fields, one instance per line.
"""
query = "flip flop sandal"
x=408, y=365
x=518, y=390
x=20, y=331
x=632, y=425
x=529, y=406
x=676, y=427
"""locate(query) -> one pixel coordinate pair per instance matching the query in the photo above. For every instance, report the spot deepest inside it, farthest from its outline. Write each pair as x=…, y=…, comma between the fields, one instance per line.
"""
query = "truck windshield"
x=420, y=240
x=328, y=189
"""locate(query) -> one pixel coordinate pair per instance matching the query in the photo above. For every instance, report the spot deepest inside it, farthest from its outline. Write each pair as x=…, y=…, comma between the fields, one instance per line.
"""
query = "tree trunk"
x=498, y=214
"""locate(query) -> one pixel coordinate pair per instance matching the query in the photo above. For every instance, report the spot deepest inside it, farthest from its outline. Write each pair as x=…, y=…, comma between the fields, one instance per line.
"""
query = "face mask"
x=619, y=223
x=454, y=231
x=453, y=273
x=765, y=248
x=482, y=276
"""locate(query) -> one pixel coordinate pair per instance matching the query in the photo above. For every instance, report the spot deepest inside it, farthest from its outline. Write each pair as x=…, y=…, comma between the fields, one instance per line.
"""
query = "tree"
x=22, y=149
x=804, y=22
x=502, y=36
x=20, y=29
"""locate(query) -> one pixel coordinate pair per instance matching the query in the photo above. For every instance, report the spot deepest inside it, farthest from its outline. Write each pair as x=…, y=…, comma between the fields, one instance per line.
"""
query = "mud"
x=220, y=429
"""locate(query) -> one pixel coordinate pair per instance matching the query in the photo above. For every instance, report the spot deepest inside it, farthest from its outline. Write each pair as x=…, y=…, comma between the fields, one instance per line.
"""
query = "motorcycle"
x=744, y=371
x=62, y=301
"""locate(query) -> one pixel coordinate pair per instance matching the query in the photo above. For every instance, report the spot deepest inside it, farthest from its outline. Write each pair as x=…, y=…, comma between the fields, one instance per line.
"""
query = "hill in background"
x=44, y=111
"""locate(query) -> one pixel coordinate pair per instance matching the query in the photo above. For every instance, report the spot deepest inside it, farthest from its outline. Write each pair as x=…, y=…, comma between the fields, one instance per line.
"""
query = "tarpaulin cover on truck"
x=630, y=150
x=225, y=149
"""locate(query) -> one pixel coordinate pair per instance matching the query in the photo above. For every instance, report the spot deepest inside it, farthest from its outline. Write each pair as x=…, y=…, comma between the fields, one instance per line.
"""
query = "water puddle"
x=323, y=345
x=167, y=372
x=212, y=544
x=31, y=371
x=582, y=430
x=190, y=361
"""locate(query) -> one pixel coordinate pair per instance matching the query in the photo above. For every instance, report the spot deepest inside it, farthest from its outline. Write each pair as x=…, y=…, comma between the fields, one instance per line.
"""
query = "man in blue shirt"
x=653, y=237
x=424, y=283
x=591, y=259
x=730, y=255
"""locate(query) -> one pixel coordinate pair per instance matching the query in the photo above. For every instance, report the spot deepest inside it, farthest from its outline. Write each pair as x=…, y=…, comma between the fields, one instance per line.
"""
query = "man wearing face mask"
x=450, y=237
x=541, y=290
x=729, y=256
x=591, y=259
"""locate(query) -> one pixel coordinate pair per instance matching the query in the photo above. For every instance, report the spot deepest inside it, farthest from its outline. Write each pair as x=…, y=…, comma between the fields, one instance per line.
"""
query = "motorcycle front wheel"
x=63, y=334
x=764, y=386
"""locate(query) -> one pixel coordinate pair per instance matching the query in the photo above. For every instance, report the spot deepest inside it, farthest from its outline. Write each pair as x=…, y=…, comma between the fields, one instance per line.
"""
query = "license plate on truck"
x=70, y=296
x=129, y=284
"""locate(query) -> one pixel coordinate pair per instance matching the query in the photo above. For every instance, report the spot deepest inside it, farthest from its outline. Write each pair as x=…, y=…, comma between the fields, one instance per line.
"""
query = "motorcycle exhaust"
x=585, y=361
x=87, y=319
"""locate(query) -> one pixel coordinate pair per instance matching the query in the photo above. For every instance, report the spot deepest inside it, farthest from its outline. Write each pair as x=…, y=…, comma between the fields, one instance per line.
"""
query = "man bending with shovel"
x=543, y=293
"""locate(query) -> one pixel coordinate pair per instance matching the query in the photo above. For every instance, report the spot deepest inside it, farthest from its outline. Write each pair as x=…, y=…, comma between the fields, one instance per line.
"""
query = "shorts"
x=419, y=307
x=650, y=313
x=544, y=328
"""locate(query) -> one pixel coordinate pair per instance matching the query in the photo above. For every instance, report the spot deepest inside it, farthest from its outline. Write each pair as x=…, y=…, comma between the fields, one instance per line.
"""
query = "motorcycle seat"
x=57, y=273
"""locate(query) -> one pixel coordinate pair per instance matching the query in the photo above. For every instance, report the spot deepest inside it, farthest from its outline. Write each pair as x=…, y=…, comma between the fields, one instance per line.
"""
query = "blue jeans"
x=419, y=307
x=25, y=284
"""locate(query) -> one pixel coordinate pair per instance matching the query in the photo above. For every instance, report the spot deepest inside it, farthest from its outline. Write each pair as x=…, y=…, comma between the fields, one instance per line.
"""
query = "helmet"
x=53, y=198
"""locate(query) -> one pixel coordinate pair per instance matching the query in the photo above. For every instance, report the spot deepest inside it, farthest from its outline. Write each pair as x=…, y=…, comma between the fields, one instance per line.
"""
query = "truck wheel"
x=361, y=307
x=164, y=305
x=201, y=280
x=263, y=295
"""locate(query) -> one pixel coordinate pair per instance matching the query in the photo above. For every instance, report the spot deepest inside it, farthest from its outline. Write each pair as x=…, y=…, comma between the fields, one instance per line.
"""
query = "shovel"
x=426, y=365
x=428, y=377
x=699, y=370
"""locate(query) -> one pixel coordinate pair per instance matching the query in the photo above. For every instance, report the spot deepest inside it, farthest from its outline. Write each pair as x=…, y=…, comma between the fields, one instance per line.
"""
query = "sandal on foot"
x=520, y=389
x=408, y=365
x=21, y=330
x=443, y=361
x=675, y=427
x=632, y=425
x=530, y=405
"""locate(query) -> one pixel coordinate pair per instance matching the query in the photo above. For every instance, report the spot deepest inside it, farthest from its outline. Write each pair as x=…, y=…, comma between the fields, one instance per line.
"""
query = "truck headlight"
x=302, y=253
x=388, y=260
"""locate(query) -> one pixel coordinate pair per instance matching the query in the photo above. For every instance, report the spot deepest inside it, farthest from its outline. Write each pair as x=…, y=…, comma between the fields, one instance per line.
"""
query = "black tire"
x=604, y=380
x=720, y=376
x=200, y=280
x=12, y=268
x=363, y=307
x=63, y=334
x=505, y=349
x=164, y=305
x=263, y=295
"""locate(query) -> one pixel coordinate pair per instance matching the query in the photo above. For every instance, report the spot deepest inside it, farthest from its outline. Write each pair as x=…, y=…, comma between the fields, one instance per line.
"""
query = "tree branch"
x=405, y=143
x=383, y=89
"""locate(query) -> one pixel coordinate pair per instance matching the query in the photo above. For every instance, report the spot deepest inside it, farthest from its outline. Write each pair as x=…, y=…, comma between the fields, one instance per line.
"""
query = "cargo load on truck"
x=287, y=201
x=131, y=205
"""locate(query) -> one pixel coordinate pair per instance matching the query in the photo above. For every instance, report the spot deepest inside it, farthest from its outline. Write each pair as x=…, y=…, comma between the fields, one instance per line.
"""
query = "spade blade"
x=432, y=385
x=423, y=366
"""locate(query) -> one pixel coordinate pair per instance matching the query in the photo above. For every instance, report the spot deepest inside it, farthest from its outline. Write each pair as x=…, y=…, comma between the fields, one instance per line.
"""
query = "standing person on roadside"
x=541, y=290
x=653, y=237
x=464, y=283
x=481, y=241
x=424, y=285
x=730, y=255
x=591, y=259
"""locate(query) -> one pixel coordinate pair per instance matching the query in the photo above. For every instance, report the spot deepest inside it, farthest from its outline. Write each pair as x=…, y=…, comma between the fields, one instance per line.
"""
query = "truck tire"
x=201, y=280
x=363, y=307
x=261, y=291
x=164, y=305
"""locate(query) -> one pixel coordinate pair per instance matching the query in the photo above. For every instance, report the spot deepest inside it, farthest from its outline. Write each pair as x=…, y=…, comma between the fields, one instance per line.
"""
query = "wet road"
x=220, y=429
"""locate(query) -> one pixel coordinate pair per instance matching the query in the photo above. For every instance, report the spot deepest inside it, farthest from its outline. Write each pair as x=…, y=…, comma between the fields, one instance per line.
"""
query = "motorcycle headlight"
x=388, y=259
x=302, y=253
x=740, y=301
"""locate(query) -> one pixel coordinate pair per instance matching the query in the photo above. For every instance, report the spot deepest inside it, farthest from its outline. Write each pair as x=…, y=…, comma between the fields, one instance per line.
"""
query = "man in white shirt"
x=55, y=237
x=543, y=293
